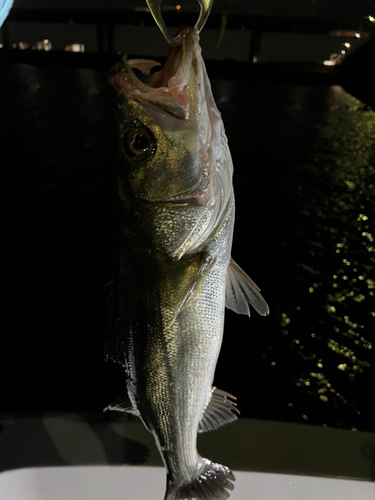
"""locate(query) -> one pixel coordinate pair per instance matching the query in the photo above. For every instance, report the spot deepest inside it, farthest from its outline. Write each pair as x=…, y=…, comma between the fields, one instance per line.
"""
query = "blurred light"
x=359, y=298
x=74, y=47
x=371, y=19
x=285, y=320
x=347, y=45
x=23, y=46
x=348, y=34
x=358, y=35
x=362, y=217
x=335, y=59
x=44, y=45
x=178, y=7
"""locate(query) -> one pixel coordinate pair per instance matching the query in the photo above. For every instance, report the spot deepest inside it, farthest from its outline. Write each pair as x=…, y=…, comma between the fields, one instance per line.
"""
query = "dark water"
x=304, y=160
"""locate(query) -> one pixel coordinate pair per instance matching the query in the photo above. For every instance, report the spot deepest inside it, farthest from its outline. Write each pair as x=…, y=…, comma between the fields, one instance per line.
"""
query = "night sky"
x=146, y=41
x=317, y=8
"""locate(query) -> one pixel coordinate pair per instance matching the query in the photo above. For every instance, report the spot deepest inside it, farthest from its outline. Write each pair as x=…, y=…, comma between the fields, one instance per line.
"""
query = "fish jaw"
x=167, y=88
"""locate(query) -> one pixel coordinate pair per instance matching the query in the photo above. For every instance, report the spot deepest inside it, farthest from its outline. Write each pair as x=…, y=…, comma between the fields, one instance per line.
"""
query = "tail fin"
x=211, y=483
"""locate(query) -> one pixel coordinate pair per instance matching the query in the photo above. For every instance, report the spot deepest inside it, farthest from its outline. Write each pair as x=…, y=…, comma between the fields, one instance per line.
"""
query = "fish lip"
x=167, y=87
x=192, y=200
x=183, y=201
x=196, y=200
x=171, y=75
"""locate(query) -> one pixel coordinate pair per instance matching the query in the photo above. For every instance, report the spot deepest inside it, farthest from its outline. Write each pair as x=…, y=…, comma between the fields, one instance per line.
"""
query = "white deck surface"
x=148, y=483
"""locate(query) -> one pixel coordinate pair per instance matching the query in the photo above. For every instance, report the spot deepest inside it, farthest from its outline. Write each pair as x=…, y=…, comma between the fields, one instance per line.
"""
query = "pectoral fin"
x=198, y=279
x=241, y=290
x=219, y=411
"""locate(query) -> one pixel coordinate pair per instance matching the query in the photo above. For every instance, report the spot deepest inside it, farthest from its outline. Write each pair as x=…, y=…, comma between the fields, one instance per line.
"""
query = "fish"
x=175, y=272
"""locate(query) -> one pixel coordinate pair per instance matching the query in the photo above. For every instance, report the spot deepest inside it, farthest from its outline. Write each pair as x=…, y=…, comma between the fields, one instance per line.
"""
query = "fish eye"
x=139, y=143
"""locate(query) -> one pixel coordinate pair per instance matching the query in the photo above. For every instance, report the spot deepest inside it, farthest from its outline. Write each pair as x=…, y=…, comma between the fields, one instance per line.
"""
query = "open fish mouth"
x=167, y=87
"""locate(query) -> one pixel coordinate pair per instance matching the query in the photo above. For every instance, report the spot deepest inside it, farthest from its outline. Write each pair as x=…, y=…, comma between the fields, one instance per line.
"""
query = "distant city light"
x=178, y=7
x=335, y=59
x=371, y=19
x=358, y=35
x=347, y=45
x=74, y=47
x=23, y=46
x=44, y=45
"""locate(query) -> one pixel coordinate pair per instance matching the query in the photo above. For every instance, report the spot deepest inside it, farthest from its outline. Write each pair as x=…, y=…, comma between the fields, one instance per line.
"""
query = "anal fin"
x=122, y=403
x=220, y=411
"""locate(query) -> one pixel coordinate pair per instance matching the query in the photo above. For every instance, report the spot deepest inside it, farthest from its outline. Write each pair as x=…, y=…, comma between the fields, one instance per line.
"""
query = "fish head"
x=175, y=160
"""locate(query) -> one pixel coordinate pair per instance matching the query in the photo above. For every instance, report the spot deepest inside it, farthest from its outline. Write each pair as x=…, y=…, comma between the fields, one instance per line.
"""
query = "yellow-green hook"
x=155, y=9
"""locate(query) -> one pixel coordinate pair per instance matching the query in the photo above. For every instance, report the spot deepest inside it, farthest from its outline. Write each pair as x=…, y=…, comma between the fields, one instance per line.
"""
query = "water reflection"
x=341, y=284
x=304, y=182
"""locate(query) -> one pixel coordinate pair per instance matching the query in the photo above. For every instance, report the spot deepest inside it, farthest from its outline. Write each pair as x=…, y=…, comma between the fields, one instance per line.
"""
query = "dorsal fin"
x=219, y=411
x=241, y=290
x=114, y=344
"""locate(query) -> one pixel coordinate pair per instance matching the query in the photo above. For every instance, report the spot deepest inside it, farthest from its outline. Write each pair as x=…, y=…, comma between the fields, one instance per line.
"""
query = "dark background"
x=304, y=183
x=322, y=8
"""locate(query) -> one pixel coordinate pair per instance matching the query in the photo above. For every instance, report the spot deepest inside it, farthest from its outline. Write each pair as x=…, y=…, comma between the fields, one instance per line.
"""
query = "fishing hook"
x=155, y=9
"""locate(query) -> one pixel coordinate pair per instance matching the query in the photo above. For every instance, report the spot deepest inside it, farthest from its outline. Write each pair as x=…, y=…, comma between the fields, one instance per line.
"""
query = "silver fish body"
x=175, y=271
